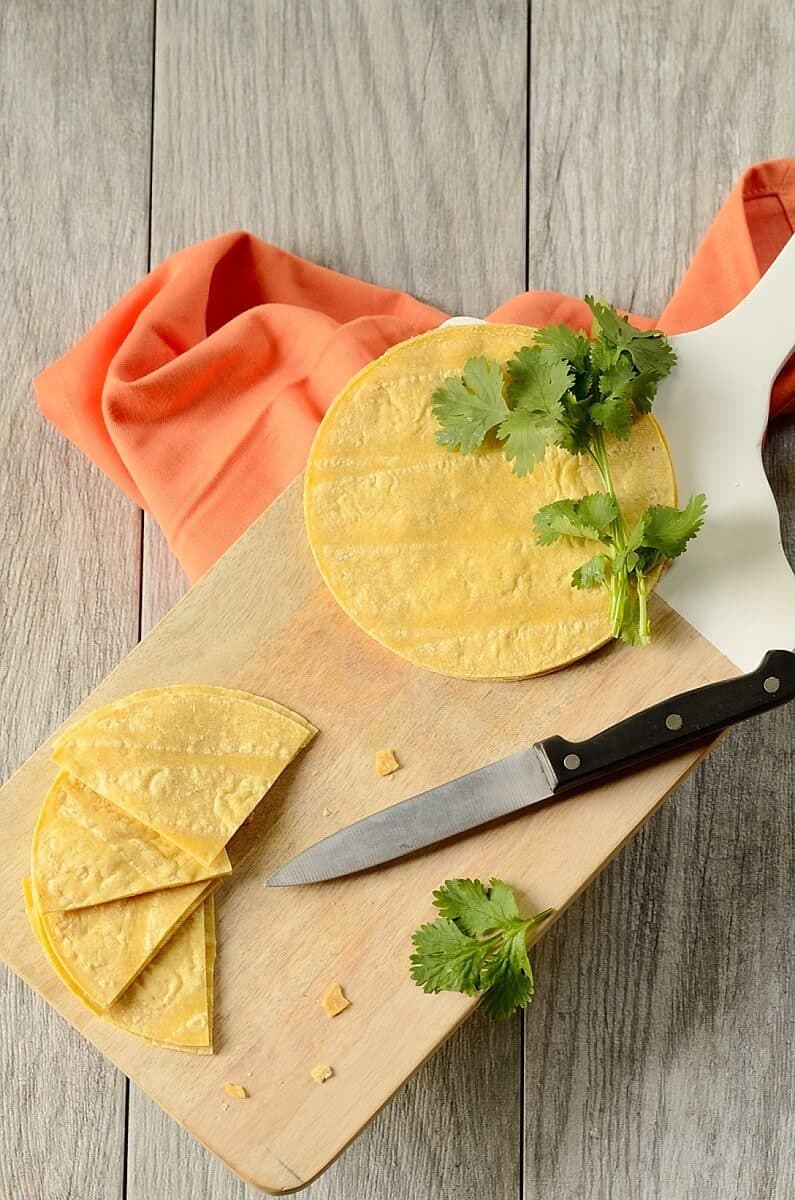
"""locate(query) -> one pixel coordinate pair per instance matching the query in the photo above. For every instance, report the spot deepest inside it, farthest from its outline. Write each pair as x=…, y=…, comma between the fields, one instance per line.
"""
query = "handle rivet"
x=771, y=685
x=571, y=762
x=673, y=722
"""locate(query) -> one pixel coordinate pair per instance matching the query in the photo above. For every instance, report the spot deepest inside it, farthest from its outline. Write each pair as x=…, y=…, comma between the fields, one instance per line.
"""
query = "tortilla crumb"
x=237, y=1090
x=335, y=1001
x=326, y=812
x=224, y=1106
x=321, y=1073
x=385, y=762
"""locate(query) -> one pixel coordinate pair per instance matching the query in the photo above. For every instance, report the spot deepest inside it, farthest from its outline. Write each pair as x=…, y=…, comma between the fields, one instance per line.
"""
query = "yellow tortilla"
x=104, y=948
x=431, y=551
x=274, y=706
x=86, y=851
x=37, y=925
x=189, y=762
x=171, y=1002
x=210, y=948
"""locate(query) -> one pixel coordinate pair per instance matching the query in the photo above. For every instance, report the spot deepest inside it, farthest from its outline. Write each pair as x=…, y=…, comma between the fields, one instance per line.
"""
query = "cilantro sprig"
x=573, y=391
x=478, y=943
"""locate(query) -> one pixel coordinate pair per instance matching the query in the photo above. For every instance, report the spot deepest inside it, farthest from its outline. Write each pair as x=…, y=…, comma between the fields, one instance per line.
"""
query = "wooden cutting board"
x=262, y=620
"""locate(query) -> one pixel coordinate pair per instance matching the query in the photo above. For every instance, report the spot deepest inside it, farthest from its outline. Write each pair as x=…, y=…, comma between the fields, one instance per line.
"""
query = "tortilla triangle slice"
x=104, y=948
x=266, y=703
x=171, y=1001
x=210, y=951
x=86, y=851
x=189, y=762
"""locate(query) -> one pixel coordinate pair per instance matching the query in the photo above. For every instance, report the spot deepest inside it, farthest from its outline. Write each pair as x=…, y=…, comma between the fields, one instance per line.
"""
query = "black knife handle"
x=669, y=726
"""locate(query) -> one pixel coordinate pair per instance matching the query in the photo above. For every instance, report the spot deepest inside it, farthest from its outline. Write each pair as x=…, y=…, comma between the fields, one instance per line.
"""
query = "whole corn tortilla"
x=189, y=762
x=102, y=949
x=432, y=552
x=86, y=851
x=171, y=1001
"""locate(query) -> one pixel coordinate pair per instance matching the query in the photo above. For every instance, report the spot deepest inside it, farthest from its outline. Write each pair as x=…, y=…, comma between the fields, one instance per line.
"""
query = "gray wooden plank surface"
x=74, y=160
x=659, y=1051
x=367, y=136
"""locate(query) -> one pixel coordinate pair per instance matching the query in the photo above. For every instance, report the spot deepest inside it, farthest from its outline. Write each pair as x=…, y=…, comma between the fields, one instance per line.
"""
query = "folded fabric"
x=199, y=392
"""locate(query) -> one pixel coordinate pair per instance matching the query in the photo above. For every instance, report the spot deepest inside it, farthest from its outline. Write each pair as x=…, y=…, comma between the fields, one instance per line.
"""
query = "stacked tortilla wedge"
x=131, y=842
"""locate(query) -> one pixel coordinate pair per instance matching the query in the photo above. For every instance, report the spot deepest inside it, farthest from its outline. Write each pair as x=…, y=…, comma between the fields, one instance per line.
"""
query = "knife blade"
x=550, y=768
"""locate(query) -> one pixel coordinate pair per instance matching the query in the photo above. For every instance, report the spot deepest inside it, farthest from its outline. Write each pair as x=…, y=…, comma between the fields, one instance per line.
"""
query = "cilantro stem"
x=644, y=626
x=619, y=580
x=539, y=917
x=599, y=455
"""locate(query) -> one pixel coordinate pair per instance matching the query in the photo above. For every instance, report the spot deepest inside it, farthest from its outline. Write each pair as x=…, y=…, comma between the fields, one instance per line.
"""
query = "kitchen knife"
x=545, y=771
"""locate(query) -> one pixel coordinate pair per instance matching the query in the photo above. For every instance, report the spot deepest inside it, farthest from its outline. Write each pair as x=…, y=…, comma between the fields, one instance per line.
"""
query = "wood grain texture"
x=428, y=1143
x=261, y=629
x=653, y=998
x=679, y=99
x=659, y=1051
x=367, y=136
x=74, y=154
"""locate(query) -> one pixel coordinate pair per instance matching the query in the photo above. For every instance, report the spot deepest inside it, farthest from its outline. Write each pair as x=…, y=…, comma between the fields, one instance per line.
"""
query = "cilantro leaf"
x=467, y=902
x=614, y=412
x=660, y=534
x=535, y=386
x=608, y=325
x=527, y=434
x=561, y=341
x=557, y=520
x=616, y=379
x=604, y=357
x=445, y=959
x=598, y=511
x=593, y=573
x=469, y=407
x=576, y=427
x=614, y=415
x=503, y=903
x=507, y=978
x=668, y=530
x=536, y=380
x=636, y=534
x=652, y=353
x=588, y=518
x=476, y=909
x=477, y=944
x=642, y=391
x=649, y=349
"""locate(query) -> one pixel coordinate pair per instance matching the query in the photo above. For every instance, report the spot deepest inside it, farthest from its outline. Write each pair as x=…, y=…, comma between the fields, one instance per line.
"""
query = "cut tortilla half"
x=189, y=762
x=87, y=851
x=171, y=1002
x=104, y=948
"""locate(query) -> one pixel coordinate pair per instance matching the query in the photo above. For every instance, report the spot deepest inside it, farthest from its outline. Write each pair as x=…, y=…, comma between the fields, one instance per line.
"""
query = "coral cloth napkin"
x=200, y=391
